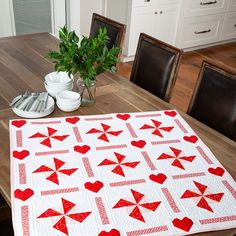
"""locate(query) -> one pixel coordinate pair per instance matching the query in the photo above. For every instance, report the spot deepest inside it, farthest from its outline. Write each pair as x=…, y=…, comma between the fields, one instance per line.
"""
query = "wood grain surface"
x=23, y=67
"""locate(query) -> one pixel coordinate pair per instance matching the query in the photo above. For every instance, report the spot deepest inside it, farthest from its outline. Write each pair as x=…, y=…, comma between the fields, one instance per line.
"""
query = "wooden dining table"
x=23, y=66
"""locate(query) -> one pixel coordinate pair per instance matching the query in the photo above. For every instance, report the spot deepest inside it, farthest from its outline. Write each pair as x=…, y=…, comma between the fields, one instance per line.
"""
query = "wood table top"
x=23, y=67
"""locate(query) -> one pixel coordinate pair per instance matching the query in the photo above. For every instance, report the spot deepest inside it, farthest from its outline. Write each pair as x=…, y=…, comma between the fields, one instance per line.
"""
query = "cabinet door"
x=142, y=20
x=166, y=23
x=229, y=26
x=157, y=21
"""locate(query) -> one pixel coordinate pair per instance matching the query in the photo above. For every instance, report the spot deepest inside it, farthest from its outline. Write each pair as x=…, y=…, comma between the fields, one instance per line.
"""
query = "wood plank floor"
x=189, y=69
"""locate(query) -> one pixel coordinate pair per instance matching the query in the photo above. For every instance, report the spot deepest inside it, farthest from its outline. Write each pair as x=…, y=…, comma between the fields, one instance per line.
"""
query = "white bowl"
x=67, y=96
x=52, y=90
x=55, y=78
x=68, y=108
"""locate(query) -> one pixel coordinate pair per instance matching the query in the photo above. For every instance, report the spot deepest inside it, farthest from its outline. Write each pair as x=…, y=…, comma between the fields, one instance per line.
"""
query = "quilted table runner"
x=116, y=174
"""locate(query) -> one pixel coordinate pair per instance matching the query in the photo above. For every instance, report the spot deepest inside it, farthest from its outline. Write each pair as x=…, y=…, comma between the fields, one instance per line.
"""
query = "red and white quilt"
x=116, y=174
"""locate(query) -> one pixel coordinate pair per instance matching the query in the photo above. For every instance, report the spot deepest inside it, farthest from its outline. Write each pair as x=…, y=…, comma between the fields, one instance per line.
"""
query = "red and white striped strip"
x=19, y=138
x=102, y=211
x=217, y=220
x=128, y=182
x=131, y=130
x=148, y=231
x=111, y=147
x=230, y=188
x=46, y=122
x=59, y=191
x=77, y=134
x=180, y=126
x=166, y=142
x=170, y=200
x=51, y=152
x=191, y=175
x=88, y=167
x=147, y=115
x=204, y=155
x=148, y=161
x=22, y=174
x=98, y=119
x=25, y=220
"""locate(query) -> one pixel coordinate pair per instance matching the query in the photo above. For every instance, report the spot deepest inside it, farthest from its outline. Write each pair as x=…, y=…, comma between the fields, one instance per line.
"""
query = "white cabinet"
x=229, y=26
x=157, y=18
x=204, y=22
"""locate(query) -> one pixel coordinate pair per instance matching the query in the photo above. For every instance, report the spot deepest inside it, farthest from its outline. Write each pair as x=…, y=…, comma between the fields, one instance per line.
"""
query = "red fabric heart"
x=184, y=224
x=171, y=113
x=159, y=178
x=191, y=139
x=23, y=194
x=112, y=232
x=82, y=149
x=72, y=120
x=18, y=123
x=139, y=144
x=21, y=155
x=94, y=187
x=217, y=171
x=123, y=116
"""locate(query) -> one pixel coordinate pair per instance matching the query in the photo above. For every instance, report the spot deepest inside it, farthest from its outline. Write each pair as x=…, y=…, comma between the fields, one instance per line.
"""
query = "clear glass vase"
x=87, y=94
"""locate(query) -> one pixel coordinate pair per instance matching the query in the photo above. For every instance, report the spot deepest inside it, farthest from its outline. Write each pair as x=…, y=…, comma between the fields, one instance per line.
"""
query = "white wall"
x=5, y=19
x=73, y=15
x=87, y=8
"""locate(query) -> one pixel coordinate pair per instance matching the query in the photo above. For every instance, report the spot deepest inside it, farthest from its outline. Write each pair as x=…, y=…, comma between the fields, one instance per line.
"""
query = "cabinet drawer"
x=204, y=7
x=232, y=5
x=229, y=26
x=143, y=3
x=201, y=30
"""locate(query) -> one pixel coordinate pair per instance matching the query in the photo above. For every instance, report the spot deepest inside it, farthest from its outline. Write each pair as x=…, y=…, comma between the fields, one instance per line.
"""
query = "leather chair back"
x=214, y=98
x=115, y=30
x=155, y=66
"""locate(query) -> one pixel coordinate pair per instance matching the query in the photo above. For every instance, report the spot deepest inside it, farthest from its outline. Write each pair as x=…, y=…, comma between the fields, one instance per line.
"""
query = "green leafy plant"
x=90, y=56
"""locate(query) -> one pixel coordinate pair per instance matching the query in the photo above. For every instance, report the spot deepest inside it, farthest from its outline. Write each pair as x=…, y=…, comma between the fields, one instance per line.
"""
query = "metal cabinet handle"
x=146, y=0
x=202, y=32
x=235, y=25
x=207, y=3
x=155, y=12
x=161, y=12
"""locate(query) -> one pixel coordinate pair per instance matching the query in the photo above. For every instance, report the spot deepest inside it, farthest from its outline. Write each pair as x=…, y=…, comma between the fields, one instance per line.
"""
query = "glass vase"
x=87, y=94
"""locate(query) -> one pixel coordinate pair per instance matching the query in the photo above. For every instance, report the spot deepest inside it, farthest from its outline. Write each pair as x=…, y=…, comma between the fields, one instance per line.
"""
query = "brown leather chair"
x=214, y=98
x=5, y=218
x=155, y=66
x=115, y=30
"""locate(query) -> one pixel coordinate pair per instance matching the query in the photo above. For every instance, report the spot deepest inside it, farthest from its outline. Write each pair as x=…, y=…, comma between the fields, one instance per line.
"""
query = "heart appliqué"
x=159, y=178
x=217, y=171
x=191, y=139
x=139, y=144
x=23, y=194
x=184, y=224
x=171, y=113
x=112, y=232
x=18, y=123
x=94, y=187
x=72, y=120
x=20, y=155
x=82, y=149
x=123, y=116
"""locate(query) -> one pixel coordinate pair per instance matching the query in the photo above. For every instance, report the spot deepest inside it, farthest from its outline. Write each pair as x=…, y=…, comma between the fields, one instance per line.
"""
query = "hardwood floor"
x=189, y=69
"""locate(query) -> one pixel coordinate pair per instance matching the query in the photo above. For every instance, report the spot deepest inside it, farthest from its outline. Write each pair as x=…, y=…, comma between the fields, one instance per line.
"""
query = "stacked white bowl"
x=68, y=100
x=58, y=81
